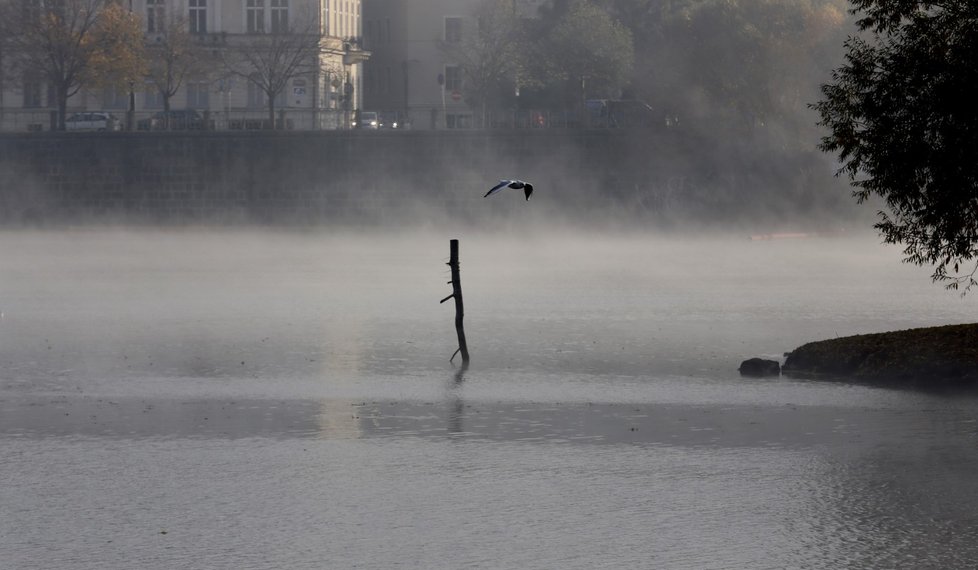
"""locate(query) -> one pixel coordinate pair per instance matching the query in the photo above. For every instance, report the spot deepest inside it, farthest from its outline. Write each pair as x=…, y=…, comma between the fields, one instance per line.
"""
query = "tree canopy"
x=76, y=43
x=716, y=65
x=586, y=46
x=490, y=53
x=271, y=61
x=901, y=116
x=572, y=49
x=175, y=57
x=734, y=66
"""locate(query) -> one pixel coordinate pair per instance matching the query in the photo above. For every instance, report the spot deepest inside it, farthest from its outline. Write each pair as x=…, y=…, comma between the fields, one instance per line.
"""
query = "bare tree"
x=488, y=49
x=76, y=43
x=173, y=57
x=270, y=61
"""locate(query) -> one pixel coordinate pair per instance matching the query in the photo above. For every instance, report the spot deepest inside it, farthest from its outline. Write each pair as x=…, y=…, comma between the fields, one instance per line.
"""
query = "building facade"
x=324, y=96
x=409, y=72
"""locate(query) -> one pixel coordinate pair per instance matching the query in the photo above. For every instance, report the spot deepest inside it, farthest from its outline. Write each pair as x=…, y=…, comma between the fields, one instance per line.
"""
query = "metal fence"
x=40, y=120
x=422, y=118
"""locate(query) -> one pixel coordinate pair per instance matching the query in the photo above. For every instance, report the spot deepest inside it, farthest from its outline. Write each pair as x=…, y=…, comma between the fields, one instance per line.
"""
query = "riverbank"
x=933, y=357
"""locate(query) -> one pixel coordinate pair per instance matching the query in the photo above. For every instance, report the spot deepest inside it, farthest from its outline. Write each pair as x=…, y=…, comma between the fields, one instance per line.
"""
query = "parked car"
x=172, y=120
x=366, y=120
x=92, y=121
x=390, y=120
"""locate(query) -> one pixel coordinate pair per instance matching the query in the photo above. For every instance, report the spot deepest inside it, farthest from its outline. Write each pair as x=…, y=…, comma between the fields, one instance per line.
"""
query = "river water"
x=235, y=399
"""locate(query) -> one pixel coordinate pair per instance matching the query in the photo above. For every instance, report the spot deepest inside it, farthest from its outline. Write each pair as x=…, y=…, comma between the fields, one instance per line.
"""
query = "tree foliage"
x=743, y=65
x=587, y=44
x=902, y=118
x=490, y=54
x=729, y=65
x=121, y=58
x=545, y=58
x=576, y=49
x=76, y=43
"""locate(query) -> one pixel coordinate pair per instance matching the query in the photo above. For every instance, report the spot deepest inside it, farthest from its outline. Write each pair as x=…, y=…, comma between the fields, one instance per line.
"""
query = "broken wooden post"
x=456, y=283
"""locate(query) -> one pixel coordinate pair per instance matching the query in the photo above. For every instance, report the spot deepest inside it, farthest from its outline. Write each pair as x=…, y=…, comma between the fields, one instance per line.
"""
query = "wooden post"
x=456, y=283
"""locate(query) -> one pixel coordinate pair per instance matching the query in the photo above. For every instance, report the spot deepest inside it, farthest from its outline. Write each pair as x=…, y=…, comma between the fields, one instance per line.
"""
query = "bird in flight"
x=515, y=184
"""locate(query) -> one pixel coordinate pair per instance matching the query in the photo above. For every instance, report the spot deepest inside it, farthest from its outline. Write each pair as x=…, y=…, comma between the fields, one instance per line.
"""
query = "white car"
x=92, y=121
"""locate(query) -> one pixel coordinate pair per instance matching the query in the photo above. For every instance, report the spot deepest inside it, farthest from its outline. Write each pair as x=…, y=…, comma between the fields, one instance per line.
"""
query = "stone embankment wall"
x=382, y=176
x=272, y=176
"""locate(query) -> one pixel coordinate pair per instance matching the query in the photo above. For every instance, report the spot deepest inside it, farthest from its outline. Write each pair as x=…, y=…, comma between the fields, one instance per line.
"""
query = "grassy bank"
x=934, y=357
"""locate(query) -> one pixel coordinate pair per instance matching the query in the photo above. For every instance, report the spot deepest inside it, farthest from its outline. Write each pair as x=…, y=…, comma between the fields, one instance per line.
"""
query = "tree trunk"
x=271, y=112
x=131, y=111
x=62, y=108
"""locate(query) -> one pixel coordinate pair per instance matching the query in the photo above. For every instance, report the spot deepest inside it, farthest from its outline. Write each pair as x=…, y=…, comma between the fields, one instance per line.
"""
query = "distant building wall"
x=404, y=38
x=320, y=100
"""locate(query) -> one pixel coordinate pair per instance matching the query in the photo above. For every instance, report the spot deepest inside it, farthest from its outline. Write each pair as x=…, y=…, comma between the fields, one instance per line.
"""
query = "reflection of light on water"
x=339, y=419
x=342, y=350
x=343, y=354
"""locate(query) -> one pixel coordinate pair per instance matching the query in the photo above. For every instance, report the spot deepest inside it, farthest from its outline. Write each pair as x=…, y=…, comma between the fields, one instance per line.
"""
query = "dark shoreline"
x=944, y=357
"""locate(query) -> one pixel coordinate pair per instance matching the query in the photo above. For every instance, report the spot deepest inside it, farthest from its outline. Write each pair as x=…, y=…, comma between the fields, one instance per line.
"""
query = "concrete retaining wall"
x=353, y=177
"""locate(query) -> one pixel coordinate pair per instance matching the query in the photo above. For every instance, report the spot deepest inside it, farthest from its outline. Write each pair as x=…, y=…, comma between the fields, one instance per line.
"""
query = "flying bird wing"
x=502, y=184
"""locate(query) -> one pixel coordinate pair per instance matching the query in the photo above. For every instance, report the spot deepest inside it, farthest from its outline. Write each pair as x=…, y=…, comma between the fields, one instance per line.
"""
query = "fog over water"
x=260, y=398
x=225, y=350
x=195, y=304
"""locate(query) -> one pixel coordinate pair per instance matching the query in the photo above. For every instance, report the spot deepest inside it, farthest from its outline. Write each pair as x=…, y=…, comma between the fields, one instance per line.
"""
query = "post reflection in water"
x=456, y=414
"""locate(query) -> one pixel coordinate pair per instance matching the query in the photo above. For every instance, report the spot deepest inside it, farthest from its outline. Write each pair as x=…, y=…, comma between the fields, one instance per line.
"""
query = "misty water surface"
x=268, y=399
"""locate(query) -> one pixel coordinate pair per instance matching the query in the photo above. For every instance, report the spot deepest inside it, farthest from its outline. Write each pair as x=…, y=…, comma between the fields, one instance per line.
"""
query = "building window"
x=32, y=94
x=280, y=16
x=255, y=16
x=32, y=10
x=114, y=97
x=198, y=95
x=155, y=16
x=453, y=30
x=198, y=16
x=256, y=96
x=458, y=121
x=153, y=98
x=453, y=78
